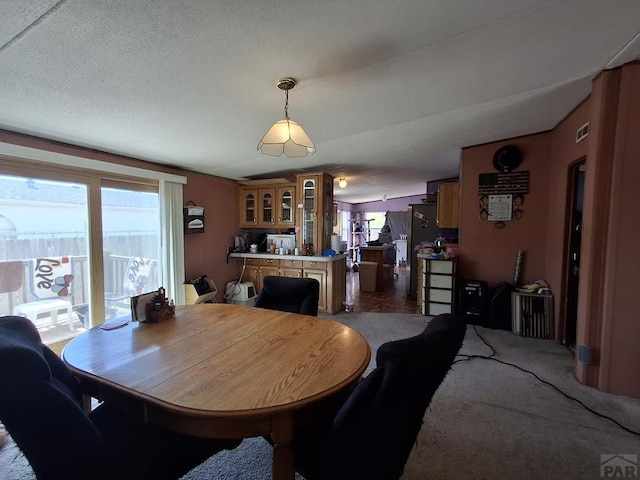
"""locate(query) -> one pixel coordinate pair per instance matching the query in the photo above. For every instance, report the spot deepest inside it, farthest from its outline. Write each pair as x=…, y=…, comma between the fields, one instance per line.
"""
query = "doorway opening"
x=574, y=238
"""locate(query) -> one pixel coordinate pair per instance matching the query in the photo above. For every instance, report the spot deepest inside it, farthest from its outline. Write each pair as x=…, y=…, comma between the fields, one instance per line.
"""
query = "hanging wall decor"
x=193, y=218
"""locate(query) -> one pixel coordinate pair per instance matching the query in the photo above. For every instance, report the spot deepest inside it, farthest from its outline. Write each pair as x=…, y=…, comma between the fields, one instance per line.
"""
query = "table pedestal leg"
x=282, y=431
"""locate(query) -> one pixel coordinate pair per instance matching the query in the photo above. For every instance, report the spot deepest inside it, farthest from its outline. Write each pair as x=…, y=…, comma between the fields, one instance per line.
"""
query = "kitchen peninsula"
x=329, y=271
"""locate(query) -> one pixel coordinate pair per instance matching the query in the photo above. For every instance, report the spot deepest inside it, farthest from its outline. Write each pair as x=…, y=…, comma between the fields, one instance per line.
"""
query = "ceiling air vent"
x=582, y=132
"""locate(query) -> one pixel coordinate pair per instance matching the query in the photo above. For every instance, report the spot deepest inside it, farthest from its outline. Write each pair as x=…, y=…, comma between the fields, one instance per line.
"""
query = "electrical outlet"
x=584, y=354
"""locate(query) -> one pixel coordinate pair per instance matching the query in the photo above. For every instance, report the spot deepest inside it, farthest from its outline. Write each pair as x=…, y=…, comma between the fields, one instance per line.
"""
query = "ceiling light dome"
x=342, y=183
x=286, y=136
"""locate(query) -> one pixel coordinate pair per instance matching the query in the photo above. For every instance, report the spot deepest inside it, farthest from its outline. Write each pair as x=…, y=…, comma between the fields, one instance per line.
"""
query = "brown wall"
x=488, y=253
x=609, y=274
x=205, y=253
x=564, y=152
x=619, y=369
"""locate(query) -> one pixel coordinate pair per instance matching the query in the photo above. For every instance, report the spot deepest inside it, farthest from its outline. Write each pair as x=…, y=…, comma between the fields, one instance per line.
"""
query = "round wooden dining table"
x=224, y=371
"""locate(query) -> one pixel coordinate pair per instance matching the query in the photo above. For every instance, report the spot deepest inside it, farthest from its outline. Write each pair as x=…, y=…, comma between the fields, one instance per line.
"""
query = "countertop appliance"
x=421, y=228
x=286, y=241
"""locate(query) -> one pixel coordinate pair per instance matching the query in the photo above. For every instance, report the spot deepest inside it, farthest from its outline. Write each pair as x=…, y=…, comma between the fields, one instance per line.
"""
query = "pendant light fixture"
x=286, y=136
x=342, y=183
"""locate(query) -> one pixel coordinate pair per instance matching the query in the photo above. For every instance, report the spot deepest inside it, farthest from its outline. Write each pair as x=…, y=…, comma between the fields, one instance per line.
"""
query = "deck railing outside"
x=115, y=268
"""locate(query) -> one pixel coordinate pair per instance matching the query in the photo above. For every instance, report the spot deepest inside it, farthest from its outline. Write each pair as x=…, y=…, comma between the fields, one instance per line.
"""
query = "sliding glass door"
x=75, y=246
x=44, y=273
x=131, y=244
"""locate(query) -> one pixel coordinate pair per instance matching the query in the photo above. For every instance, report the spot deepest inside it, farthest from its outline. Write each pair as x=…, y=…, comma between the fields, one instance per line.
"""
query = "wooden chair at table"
x=374, y=431
x=296, y=295
x=41, y=408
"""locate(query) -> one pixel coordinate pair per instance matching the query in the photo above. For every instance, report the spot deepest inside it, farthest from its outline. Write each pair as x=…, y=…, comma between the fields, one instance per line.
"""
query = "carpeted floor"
x=488, y=420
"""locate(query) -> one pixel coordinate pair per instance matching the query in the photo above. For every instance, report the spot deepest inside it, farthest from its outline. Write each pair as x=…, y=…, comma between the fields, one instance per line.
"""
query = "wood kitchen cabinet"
x=248, y=207
x=291, y=268
x=264, y=205
x=314, y=212
x=329, y=272
x=256, y=269
x=285, y=206
x=251, y=272
x=448, y=205
x=318, y=270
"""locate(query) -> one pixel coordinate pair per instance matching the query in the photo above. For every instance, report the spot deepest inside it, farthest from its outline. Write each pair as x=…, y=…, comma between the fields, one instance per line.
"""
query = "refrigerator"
x=421, y=227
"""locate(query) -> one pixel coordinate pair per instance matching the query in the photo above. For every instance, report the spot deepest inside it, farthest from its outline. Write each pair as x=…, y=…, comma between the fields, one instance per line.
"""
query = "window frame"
x=94, y=179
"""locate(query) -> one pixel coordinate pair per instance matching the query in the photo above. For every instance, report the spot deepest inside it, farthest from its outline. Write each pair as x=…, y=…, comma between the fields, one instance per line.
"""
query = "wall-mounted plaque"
x=500, y=208
x=503, y=183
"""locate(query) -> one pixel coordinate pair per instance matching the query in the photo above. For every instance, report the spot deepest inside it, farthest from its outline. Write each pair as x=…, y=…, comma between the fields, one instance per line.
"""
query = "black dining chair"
x=374, y=431
x=40, y=406
x=297, y=295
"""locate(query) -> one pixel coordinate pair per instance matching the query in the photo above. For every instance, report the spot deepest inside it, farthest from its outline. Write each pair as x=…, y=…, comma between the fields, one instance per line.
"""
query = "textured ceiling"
x=389, y=91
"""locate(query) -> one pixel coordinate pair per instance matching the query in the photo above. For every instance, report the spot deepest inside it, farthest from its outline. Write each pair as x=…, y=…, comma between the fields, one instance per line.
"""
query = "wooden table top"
x=224, y=361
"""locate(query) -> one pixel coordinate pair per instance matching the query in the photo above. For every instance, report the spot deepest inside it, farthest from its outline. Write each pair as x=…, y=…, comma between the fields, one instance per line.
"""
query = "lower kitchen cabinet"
x=291, y=268
x=250, y=272
x=255, y=269
x=330, y=274
x=321, y=277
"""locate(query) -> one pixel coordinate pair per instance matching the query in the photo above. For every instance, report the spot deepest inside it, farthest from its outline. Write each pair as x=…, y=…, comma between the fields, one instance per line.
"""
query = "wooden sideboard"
x=331, y=273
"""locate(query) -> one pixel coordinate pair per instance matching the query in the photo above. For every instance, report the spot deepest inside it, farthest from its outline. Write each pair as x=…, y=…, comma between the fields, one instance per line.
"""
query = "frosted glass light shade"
x=286, y=136
x=342, y=183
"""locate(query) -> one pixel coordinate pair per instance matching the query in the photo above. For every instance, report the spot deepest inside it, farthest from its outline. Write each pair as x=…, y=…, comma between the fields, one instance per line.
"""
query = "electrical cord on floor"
x=466, y=358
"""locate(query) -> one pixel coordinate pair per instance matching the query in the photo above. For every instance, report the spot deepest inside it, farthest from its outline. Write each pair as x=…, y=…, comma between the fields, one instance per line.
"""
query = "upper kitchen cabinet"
x=314, y=211
x=286, y=197
x=267, y=205
x=448, y=205
x=248, y=207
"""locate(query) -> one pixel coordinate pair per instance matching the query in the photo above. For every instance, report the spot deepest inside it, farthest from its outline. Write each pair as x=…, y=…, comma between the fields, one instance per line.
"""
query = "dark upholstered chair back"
x=374, y=431
x=297, y=295
x=40, y=405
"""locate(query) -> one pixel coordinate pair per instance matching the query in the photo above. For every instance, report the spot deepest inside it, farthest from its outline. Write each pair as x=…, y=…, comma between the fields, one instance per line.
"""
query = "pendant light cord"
x=286, y=104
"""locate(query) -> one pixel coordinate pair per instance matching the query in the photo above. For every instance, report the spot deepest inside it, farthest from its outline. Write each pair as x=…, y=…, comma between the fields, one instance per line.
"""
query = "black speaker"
x=501, y=306
x=473, y=305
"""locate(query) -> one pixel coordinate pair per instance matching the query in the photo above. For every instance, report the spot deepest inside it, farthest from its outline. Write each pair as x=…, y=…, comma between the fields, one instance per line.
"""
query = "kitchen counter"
x=273, y=256
x=330, y=272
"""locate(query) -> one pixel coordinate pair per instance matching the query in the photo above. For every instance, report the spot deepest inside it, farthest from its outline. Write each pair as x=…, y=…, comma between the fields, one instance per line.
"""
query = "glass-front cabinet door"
x=315, y=195
x=267, y=211
x=286, y=198
x=248, y=207
x=309, y=213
